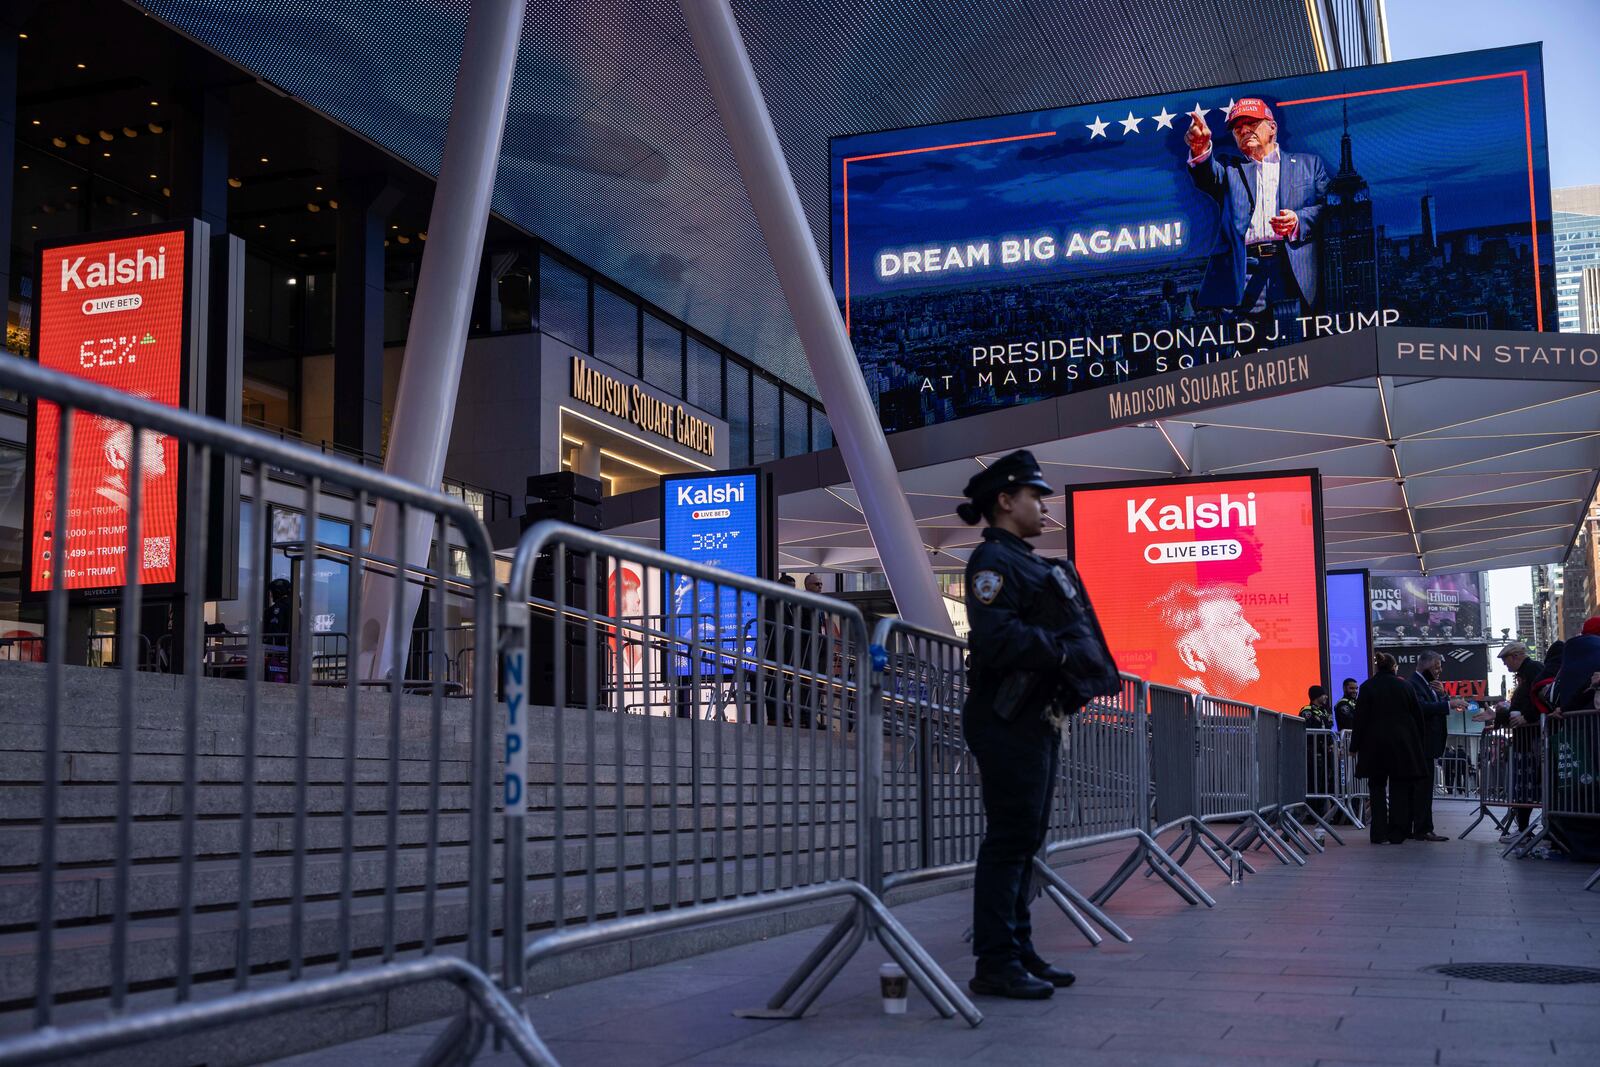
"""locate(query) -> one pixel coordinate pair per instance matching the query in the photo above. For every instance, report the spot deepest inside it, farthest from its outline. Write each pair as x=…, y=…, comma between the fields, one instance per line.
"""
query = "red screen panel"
x=1211, y=586
x=111, y=312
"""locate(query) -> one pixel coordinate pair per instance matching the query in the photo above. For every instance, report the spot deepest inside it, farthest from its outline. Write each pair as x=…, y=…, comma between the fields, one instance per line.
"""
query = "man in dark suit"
x=1264, y=257
x=1436, y=707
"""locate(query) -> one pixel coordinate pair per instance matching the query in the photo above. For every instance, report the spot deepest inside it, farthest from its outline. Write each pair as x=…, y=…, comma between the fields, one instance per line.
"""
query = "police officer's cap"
x=1006, y=475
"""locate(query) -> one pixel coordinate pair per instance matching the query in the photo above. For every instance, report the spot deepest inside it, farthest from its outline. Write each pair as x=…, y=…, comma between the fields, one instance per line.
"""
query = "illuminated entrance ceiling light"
x=234, y=183
x=36, y=122
x=155, y=103
x=129, y=131
x=58, y=142
x=81, y=138
x=313, y=207
x=107, y=135
x=154, y=127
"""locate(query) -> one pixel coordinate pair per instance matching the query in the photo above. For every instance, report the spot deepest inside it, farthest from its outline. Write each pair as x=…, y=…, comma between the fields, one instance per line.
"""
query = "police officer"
x=1016, y=743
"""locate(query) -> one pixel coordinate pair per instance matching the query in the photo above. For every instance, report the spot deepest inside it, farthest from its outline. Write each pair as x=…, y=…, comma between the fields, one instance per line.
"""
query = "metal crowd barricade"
x=1509, y=761
x=163, y=935
x=1103, y=796
x=1329, y=772
x=1294, y=785
x=683, y=821
x=1226, y=775
x=1175, y=763
x=1572, y=775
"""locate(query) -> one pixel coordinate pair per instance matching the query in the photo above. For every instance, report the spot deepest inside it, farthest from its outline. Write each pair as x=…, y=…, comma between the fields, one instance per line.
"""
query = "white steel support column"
x=816, y=316
x=419, y=429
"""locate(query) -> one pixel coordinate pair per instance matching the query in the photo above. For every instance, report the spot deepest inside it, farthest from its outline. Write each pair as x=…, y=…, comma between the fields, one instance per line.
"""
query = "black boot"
x=1043, y=971
x=1014, y=983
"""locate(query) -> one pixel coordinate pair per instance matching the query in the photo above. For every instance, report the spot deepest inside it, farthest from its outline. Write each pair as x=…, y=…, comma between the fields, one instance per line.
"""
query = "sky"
x=1570, y=31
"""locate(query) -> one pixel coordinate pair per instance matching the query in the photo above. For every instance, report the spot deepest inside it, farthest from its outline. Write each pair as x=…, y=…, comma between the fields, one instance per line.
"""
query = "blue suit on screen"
x=1231, y=182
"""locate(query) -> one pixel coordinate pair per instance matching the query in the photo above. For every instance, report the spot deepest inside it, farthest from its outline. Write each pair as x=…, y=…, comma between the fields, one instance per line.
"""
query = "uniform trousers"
x=1018, y=763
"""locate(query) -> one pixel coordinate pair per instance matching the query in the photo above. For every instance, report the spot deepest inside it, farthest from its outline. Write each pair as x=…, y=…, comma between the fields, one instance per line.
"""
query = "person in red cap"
x=1263, y=267
x=1580, y=661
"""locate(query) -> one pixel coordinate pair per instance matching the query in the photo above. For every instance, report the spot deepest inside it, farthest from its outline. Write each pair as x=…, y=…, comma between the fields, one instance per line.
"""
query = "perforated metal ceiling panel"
x=614, y=151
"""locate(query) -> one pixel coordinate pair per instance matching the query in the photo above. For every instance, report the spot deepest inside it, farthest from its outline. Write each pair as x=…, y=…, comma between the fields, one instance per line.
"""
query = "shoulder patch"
x=986, y=585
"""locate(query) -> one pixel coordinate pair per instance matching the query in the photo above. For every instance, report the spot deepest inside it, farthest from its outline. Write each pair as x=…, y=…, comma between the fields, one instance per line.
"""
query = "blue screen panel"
x=713, y=520
x=1349, y=638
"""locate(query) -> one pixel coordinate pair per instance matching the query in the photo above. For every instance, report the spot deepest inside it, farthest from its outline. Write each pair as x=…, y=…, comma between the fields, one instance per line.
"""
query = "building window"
x=738, y=415
x=563, y=304
x=765, y=428
x=821, y=430
x=663, y=356
x=796, y=414
x=508, y=297
x=616, y=330
x=705, y=378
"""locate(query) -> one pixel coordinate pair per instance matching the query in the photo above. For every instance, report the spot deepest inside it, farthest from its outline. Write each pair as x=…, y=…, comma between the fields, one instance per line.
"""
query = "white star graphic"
x=1229, y=107
x=1130, y=124
x=1163, y=120
x=1097, y=128
x=1200, y=112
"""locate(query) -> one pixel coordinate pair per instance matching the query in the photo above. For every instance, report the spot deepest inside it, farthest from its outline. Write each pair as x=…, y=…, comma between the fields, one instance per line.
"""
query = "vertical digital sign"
x=1210, y=585
x=716, y=520
x=1349, y=630
x=116, y=311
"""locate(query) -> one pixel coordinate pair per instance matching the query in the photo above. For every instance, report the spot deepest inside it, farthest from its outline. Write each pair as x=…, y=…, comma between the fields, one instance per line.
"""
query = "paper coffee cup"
x=892, y=980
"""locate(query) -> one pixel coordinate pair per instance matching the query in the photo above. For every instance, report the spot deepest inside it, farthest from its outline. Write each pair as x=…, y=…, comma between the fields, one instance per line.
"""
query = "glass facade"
x=1577, y=246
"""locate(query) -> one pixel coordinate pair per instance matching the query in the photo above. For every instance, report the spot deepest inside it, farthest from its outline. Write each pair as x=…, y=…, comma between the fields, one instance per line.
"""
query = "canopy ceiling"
x=1437, y=471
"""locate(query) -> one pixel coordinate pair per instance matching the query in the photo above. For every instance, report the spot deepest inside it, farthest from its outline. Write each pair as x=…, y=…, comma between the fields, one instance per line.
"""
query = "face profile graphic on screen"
x=626, y=602
x=1211, y=638
x=116, y=447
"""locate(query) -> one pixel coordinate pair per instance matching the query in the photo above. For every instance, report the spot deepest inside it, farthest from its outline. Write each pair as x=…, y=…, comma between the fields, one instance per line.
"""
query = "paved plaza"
x=1326, y=965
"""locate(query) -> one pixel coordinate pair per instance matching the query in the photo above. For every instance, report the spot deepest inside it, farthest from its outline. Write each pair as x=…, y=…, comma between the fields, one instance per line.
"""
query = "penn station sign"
x=631, y=402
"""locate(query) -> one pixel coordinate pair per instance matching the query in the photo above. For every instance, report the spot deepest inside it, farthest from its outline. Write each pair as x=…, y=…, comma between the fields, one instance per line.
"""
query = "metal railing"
x=1510, y=760
x=254, y=915
x=788, y=815
x=1572, y=778
x=1330, y=773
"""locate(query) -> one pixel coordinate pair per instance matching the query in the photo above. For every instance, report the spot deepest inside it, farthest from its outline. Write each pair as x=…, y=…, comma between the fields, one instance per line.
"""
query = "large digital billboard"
x=715, y=520
x=993, y=262
x=115, y=311
x=1428, y=609
x=1349, y=629
x=1210, y=585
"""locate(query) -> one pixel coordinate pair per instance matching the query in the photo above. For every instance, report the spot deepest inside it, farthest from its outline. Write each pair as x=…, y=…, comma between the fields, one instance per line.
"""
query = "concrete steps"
x=789, y=819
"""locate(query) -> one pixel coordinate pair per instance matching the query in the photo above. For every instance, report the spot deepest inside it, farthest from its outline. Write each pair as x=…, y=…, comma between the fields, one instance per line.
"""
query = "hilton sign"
x=651, y=414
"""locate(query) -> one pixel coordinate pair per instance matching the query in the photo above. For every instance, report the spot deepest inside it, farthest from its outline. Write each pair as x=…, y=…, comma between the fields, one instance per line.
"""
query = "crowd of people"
x=1399, y=733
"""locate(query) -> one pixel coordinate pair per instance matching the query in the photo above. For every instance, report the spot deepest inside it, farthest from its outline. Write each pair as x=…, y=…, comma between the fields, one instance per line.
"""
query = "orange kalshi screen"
x=1209, y=586
x=110, y=312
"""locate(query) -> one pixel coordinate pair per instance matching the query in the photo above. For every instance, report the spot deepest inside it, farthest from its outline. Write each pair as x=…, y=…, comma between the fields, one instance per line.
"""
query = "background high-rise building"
x=1589, y=300
x=1430, y=223
x=1577, y=240
x=1526, y=631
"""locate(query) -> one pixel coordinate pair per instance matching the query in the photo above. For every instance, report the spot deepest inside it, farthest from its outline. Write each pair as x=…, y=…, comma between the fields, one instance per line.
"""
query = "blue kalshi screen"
x=714, y=520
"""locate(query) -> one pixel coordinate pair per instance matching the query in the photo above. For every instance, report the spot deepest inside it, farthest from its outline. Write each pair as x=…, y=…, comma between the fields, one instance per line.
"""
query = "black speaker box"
x=564, y=485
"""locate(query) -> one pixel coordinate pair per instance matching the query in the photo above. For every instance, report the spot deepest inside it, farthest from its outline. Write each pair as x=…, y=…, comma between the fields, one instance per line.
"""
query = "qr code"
x=157, y=552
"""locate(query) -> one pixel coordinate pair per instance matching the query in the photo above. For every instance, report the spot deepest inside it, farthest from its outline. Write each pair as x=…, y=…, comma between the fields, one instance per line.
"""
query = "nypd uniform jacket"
x=1003, y=575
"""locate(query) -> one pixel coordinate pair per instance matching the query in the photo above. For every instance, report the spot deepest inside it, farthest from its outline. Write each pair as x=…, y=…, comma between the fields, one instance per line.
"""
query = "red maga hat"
x=1251, y=107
